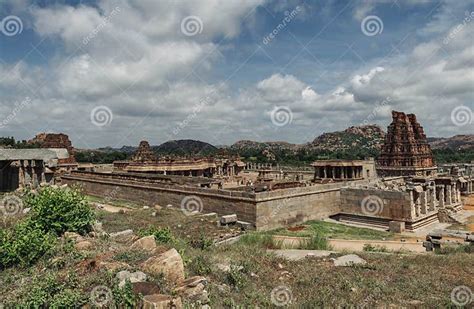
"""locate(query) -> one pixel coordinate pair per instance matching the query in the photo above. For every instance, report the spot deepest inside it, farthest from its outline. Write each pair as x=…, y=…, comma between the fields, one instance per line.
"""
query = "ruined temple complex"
x=401, y=190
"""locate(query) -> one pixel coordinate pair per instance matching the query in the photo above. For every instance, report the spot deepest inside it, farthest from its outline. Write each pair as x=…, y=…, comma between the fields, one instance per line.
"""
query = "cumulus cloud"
x=158, y=81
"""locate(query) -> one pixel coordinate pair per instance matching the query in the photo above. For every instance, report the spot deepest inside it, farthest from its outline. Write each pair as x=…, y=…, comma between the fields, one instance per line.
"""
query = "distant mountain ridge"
x=368, y=137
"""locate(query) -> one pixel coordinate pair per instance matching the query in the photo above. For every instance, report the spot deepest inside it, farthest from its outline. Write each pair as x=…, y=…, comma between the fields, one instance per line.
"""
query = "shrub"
x=60, y=210
x=24, y=244
x=200, y=265
x=376, y=248
x=161, y=235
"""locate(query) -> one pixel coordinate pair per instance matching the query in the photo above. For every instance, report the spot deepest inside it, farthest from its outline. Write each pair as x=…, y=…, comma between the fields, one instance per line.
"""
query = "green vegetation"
x=162, y=235
x=60, y=210
x=334, y=230
x=376, y=248
x=453, y=156
x=11, y=142
x=100, y=157
x=316, y=242
x=53, y=212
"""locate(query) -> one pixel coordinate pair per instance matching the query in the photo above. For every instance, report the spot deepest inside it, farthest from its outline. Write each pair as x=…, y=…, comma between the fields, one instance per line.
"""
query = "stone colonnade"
x=31, y=173
x=258, y=166
x=338, y=172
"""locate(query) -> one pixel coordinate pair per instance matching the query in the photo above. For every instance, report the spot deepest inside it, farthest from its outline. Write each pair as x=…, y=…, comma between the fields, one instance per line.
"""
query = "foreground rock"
x=349, y=260
x=193, y=289
x=123, y=236
x=146, y=243
x=84, y=245
x=125, y=275
x=169, y=263
x=160, y=301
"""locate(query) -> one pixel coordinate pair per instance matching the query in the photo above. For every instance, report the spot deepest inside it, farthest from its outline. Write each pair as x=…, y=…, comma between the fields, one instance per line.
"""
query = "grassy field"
x=333, y=230
x=255, y=274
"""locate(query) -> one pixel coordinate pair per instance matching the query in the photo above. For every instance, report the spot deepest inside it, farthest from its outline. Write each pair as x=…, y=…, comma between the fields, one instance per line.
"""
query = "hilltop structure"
x=406, y=151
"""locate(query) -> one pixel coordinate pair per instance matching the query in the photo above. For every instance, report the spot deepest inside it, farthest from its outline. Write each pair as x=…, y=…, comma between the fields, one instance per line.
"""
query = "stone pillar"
x=21, y=174
x=325, y=172
x=442, y=201
x=454, y=194
x=412, y=204
x=34, y=174
x=449, y=195
x=424, y=202
x=432, y=205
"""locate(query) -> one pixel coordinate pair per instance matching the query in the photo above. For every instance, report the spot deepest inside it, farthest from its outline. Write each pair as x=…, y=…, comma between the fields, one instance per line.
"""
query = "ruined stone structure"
x=342, y=170
x=57, y=141
x=144, y=153
x=406, y=151
x=144, y=161
x=20, y=168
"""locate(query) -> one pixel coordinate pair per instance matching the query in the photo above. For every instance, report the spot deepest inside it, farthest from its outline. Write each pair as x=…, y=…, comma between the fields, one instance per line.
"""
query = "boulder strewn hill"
x=458, y=142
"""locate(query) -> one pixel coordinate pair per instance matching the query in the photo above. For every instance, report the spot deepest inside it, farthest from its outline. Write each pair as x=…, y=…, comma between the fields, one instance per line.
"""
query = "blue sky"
x=115, y=72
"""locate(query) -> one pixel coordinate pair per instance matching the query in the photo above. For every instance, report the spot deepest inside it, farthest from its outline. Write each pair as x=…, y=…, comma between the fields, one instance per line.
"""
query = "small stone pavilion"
x=20, y=168
x=344, y=170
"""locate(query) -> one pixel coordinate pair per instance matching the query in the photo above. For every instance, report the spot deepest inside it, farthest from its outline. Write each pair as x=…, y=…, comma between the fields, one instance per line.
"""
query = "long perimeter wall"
x=266, y=210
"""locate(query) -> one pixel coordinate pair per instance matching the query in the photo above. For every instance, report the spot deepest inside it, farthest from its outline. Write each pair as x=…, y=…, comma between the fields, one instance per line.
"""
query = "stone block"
x=228, y=219
x=396, y=226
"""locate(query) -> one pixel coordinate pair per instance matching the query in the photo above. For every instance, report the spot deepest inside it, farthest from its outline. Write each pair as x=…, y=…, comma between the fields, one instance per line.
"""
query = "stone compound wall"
x=220, y=201
x=281, y=208
x=376, y=203
x=266, y=210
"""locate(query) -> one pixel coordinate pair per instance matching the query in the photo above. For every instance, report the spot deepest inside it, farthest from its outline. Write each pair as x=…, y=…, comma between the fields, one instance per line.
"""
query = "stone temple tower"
x=406, y=151
x=144, y=153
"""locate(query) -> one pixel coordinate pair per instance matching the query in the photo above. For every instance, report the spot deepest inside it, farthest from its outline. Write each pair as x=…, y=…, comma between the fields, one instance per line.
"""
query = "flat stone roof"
x=33, y=154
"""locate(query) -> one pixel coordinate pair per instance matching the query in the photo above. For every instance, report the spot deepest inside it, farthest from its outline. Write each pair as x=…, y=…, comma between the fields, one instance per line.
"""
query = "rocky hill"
x=185, y=147
x=367, y=137
x=458, y=142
